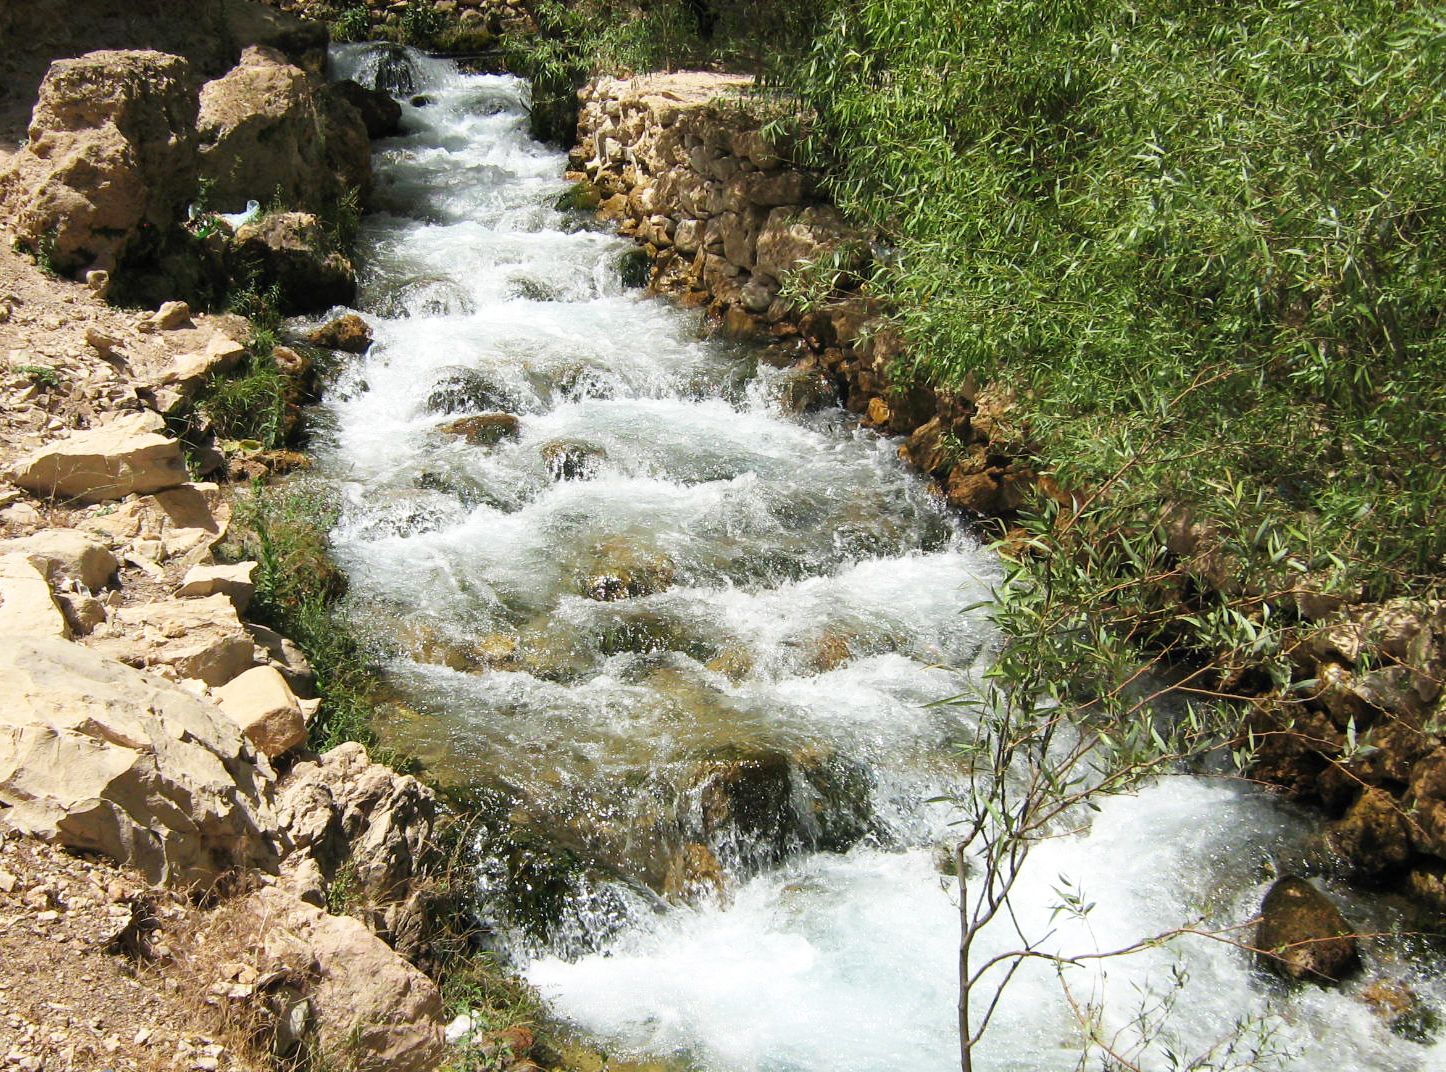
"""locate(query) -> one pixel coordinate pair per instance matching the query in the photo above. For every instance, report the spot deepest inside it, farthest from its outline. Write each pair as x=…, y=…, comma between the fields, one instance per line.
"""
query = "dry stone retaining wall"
x=725, y=217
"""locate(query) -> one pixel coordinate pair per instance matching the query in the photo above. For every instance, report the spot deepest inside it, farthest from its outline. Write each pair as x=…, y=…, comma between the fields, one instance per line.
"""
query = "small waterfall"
x=682, y=643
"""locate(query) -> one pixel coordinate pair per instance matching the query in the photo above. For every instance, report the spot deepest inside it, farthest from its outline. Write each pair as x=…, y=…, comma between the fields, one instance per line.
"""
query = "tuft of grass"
x=249, y=404
x=40, y=375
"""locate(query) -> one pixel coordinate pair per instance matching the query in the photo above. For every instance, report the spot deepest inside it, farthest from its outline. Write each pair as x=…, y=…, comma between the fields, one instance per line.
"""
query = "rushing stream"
x=681, y=643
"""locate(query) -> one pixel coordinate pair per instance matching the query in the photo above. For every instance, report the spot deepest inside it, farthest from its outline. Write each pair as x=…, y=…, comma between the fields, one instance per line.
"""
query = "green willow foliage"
x=1202, y=243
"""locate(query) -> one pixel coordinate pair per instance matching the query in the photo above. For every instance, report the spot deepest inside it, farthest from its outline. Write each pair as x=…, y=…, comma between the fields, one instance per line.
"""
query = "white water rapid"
x=681, y=644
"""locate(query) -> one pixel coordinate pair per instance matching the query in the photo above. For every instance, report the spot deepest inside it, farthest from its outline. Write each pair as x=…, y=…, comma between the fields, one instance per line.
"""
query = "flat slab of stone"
x=191, y=638
x=185, y=520
x=102, y=758
x=232, y=581
x=127, y=457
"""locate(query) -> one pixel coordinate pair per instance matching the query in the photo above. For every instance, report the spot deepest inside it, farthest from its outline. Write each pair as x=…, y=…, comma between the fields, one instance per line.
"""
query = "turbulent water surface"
x=682, y=644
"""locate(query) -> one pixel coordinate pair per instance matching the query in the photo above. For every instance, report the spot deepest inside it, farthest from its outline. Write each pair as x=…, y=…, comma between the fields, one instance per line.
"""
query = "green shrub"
x=353, y=24
x=421, y=23
x=1201, y=243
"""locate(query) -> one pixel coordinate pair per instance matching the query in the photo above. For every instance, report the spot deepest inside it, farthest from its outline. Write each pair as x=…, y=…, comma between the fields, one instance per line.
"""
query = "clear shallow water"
x=709, y=832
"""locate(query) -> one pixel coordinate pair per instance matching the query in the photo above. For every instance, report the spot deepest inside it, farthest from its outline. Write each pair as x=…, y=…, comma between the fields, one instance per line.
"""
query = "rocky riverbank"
x=726, y=220
x=228, y=898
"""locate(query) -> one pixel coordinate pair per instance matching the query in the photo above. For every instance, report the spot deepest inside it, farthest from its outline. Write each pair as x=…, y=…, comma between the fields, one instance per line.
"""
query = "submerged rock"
x=484, y=429
x=621, y=570
x=459, y=390
x=569, y=460
x=1303, y=936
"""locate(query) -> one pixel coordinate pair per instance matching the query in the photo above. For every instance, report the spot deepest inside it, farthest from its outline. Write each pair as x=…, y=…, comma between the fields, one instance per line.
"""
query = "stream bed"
x=682, y=646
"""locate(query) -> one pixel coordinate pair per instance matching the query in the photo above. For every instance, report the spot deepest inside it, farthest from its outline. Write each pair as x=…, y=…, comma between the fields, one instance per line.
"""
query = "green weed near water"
x=284, y=529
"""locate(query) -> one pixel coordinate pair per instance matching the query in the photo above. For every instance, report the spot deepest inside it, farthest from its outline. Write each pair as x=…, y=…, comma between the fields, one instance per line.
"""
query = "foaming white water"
x=848, y=962
x=763, y=703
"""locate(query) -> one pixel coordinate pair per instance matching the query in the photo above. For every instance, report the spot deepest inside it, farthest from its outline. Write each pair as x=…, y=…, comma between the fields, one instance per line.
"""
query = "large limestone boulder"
x=371, y=1011
x=263, y=705
x=344, y=812
x=381, y=114
x=1303, y=936
x=292, y=248
x=101, y=758
x=201, y=639
x=110, y=161
x=27, y=606
x=131, y=455
x=66, y=555
x=266, y=130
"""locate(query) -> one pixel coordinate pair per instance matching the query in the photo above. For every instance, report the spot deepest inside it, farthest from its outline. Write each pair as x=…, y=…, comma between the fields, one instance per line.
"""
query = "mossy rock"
x=580, y=197
x=463, y=390
x=485, y=429
x=1302, y=936
x=642, y=630
x=635, y=268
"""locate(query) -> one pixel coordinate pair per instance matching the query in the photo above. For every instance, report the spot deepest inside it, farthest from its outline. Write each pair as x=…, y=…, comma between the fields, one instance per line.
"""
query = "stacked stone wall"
x=725, y=217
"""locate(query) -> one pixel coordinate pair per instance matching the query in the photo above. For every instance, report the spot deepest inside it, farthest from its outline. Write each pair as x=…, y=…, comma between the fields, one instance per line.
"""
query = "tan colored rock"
x=199, y=638
x=791, y=237
x=189, y=372
x=344, y=811
x=348, y=333
x=369, y=1004
x=27, y=606
x=111, y=157
x=287, y=658
x=131, y=455
x=101, y=758
x=66, y=554
x=184, y=521
x=266, y=127
x=234, y=581
x=83, y=613
x=263, y=705
x=172, y=315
